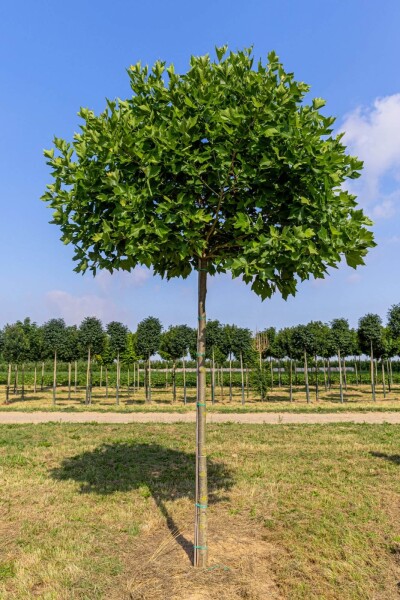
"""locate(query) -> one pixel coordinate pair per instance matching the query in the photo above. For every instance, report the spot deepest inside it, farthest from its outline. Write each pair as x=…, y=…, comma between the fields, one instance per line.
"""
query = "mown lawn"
x=106, y=511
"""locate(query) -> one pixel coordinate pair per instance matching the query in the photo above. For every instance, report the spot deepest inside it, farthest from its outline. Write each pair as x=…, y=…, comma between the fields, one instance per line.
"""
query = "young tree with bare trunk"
x=222, y=169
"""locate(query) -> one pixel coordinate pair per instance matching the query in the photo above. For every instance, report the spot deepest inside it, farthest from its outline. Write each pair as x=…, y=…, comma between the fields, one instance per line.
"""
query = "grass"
x=357, y=399
x=105, y=512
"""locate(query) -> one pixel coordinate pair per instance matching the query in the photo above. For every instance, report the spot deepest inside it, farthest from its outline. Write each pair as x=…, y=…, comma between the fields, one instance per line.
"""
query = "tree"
x=53, y=343
x=174, y=344
x=242, y=348
x=304, y=342
x=118, y=335
x=70, y=352
x=284, y=344
x=224, y=168
x=147, y=344
x=91, y=340
x=15, y=344
x=343, y=341
x=370, y=338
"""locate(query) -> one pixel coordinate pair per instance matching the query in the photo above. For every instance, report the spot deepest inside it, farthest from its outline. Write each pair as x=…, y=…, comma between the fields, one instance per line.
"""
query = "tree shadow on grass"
x=394, y=458
x=163, y=473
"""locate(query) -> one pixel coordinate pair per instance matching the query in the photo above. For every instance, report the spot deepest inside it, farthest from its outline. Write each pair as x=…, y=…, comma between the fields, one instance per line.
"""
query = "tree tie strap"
x=201, y=505
x=200, y=353
x=202, y=318
x=200, y=403
x=204, y=270
x=200, y=547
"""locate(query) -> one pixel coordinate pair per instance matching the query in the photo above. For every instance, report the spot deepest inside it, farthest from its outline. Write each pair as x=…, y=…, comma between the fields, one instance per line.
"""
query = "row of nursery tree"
x=25, y=341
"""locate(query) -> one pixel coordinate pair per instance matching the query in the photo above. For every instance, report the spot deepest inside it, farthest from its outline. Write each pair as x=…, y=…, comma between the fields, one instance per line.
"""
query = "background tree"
x=118, y=336
x=224, y=168
x=70, y=352
x=343, y=341
x=242, y=348
x=147, y=343
x=90, y=339
x=53, y=343
x=370, y=338
x=15, y=344
x=174, y=344
x=304, y=343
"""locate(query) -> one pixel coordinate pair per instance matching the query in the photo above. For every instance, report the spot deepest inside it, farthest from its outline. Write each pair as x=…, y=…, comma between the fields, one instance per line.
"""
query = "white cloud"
x=384, y=210
x=75, y=308
x=353, y=278
x=373, y=134
x=123, y=279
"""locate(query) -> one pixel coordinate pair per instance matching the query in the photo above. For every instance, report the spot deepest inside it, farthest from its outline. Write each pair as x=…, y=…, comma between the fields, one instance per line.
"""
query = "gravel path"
x=14, y=417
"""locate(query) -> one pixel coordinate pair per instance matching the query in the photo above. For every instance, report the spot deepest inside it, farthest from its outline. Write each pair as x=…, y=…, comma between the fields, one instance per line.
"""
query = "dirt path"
x=14, y=417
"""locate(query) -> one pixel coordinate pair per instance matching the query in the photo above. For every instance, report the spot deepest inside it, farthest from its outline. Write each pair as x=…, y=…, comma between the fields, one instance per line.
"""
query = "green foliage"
x=370, y=334
x=148, y=337
x=226, y=162
x=175, y=342
x=117, y=332
x=342, y=337
x=70, y=349
x=15, y=343
x=91, y=336
x=394, y=320
x=53, y=337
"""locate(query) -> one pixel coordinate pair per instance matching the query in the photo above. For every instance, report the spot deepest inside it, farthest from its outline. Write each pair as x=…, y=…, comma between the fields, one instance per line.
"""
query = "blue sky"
x=57, y=57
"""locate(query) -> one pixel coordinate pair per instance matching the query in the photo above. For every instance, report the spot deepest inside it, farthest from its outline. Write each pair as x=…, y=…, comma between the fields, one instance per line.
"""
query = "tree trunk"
x=200, y=532
x=272, y=373
x=8, y=383
x=23, y=381
x=230, y=377
x=35, y=380
x=184, y=381
x=372, y=375
x=242, y=376
x=69, y=380
x=117, y=383
x=383, y=378
x=174, y=381
x=76, y=376
x=42, y=378
x=213, y=378
x=306, y=377
x=329, y=374
x=54, y=377
x=15, y=379
x=388, y=372
x=149, y=386
x=340, y=377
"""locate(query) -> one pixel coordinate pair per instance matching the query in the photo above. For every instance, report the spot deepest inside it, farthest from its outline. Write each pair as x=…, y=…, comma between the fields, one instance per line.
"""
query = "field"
x=357, y=398
x=105, y=512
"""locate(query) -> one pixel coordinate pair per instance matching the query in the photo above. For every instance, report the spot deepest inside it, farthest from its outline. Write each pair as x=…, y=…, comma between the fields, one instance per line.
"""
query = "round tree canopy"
x=226, y=162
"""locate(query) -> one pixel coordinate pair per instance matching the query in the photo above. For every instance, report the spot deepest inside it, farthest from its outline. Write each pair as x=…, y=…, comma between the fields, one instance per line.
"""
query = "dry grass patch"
x=105, y=512
x=357, y=398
